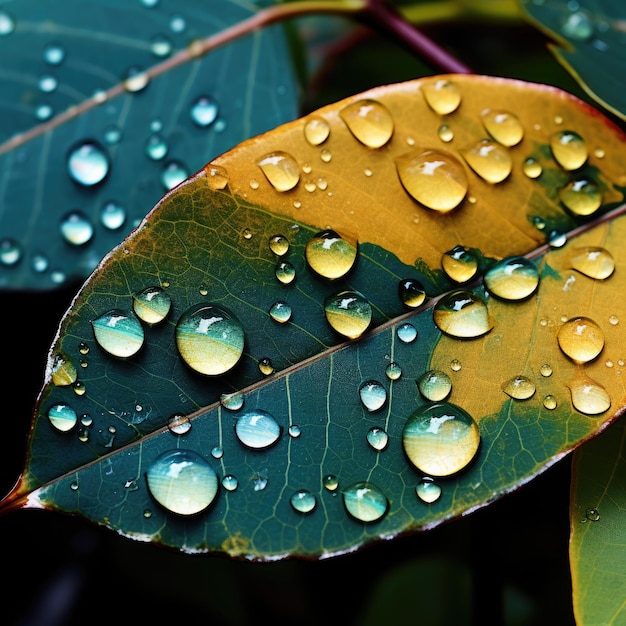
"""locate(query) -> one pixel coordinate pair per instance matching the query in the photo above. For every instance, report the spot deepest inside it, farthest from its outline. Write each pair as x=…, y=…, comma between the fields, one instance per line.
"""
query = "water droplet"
x=156, y=147
x=48, y=83
x=411, y=292
x=63, y=370
x=161, y=46
x=440, y=439
x=513, y=278
x=265, y=366
x=294, y=431
x=232, y=401
x=519, y=387
x=592, y=514
x=462, y=314
x=279, y=245
x=589, y=396
x=280, y=312
x=135, y=80
x=581, y=339
x=365, y=502
x=43, y=112
x=550, y=402
x=369, y=121
x=285, y=272
x=7, y=24
x=581, y=197
x=303, y=501
x=316, y=130
x=373, y=395
x=459, y=264
x=53, y=54
x=88, y=163
x=556, y=239
x=152, y=304
x=348, y=313
x=281, y=170
x=326, y=155
x=330, y=255
x=489, y=160
x=407, y=333
x=217, y=177
x=577, y=26
x=435, y=385
x=182, y=482
x=112, y=215
x=377, y=438
x=569, y=149
x=62, y=416
x=546, y=370
x=428, y=490
x=434, y=178
x=330, y=482
x=532, y=168
x=445, y=133
x=210, y=339
x=10, y=252
x=230, y=482
x=179, y=424
x=76, y=228
x=257, y=429
x=118, y=334
x=393, y=371
x=173, y=174
x=613, y=320
x=503, y=126
x=593, y=261
x=443, y=96
x=204, y=111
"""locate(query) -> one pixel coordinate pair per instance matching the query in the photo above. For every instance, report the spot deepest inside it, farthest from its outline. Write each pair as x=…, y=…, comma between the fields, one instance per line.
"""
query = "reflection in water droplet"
x=179, y=424
x=365, y=502
x=182, y=482
x=152, y=304
x=428, y=490
x=369, y=121
x=173, y=174
x=280, y=312
x=434, y=385
x=532, y=168
x=589, y=396
x=76, y=228
x=434, y=178
x=513, y=278
x=393, y=371
x=257, y=429
x=204, y=111
x=330, y=255
x=443, y=96
x=377, y=438
x=303, y=501
x=411, y=292
x=210, y=339
x=459, y=264
x=279, y=245
x=440, y=439
x=10, y=252
x=118, y=334
x=112, y=215
x=489, y=160
x=316, y=130
x=63, y=417
x=285, y=272
x=581, y=339
x=581, y=197
x=407, y=333
x=88, y=163
x=281, y=170
x=569, y=149
x=593, y=261
x=373, y=395
x=462, y=314
x=519, y=388
x=348, y=313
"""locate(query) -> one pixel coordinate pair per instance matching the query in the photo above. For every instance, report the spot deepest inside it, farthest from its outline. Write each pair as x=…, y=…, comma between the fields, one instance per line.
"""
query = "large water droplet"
x=593, y=261
x=519, y=388
x=513, y=278
x=434, y=178
x=303, y=501
x=204, y=111
x=369, y=121
x=76, y=228
x=435, y=385
x=581, y=339
x=118, y=333
x=373, y=395
x=411, y=292
x=281, y=170
x=462, y=314
x=348, y=313
x=152, y=304
x=257, y=429
x=440, y=439
x=581, y=197
x=489, y=160
x=459, y=264
x=330, y=255
x=589, y=396
x=210, y=339
x=569, y=149
x=316, y=130
x=182, y=481
x=503, y=126
x=62, y=416
x=442, y=95
x=365, y=502
x=88, y=163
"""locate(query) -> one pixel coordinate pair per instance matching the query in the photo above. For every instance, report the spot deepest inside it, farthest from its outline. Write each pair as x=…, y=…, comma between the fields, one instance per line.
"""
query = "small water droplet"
x=491, y=161
x=557, y=239
x=47, y=83
x=303, y=501
x=152, y=305
x=257, y=429
x=279, y=245
x=593, y=261
x=445, y=133
x=217, y=177
x=7, y=24
x=459, y=264
x=135, y=80
x=119, y=334
x=230, y=482
x=76, y=228
x=393, y=371
x=88, y=163
x=161, y=46
x=348, y=313
x=513, y=278
x=581, y=197
x=316, y=130
x=182, y=481
x=428, y=490
x=589, y=396
x=232, y=401
x=326, y=155
x=280, y=312
x=53, y=53
x=179, y=424
x=294, y=431
x=365, y=502
x=281, y=170
x=435, y=385
x=377, y=438
x=613, y=320
x=369, y=121
x=440, y=439
x=330, y=255
x=10, y=252
x=578, y=26
x=265, y=366
x=156, y=147
x=407, y=333
x=532, y=168
x=204, y=111
x=546, y=370
x=411, y=292
x=592, y=514
x=285, y=272
x=173, y=174
x=550, y=402
x=442, y=95
x=62, y=416
x=112, y=215
x=462, y=314
x=373, y=395
x=330, y=482
x=434, y=178
x=569, y=149
x=519, y=387
x=581, y=339
x=503, y=126
x=63, y=370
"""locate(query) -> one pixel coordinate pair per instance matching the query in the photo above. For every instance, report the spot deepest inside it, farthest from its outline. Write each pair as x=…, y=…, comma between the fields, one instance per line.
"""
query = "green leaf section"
x=61, y=64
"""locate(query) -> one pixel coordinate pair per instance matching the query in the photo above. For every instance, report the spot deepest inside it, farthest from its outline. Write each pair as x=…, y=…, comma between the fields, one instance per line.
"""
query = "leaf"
x=64, y=88
x=597, y=535
x=309, y=421
x=589, y=44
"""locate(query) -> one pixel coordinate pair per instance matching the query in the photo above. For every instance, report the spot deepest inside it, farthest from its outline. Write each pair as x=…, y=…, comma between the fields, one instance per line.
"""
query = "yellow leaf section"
x=338, y=167
x=524, y=339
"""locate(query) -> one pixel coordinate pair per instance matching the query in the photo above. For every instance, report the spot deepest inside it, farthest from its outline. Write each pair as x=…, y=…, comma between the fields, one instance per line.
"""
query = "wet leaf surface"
x=240, y=374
